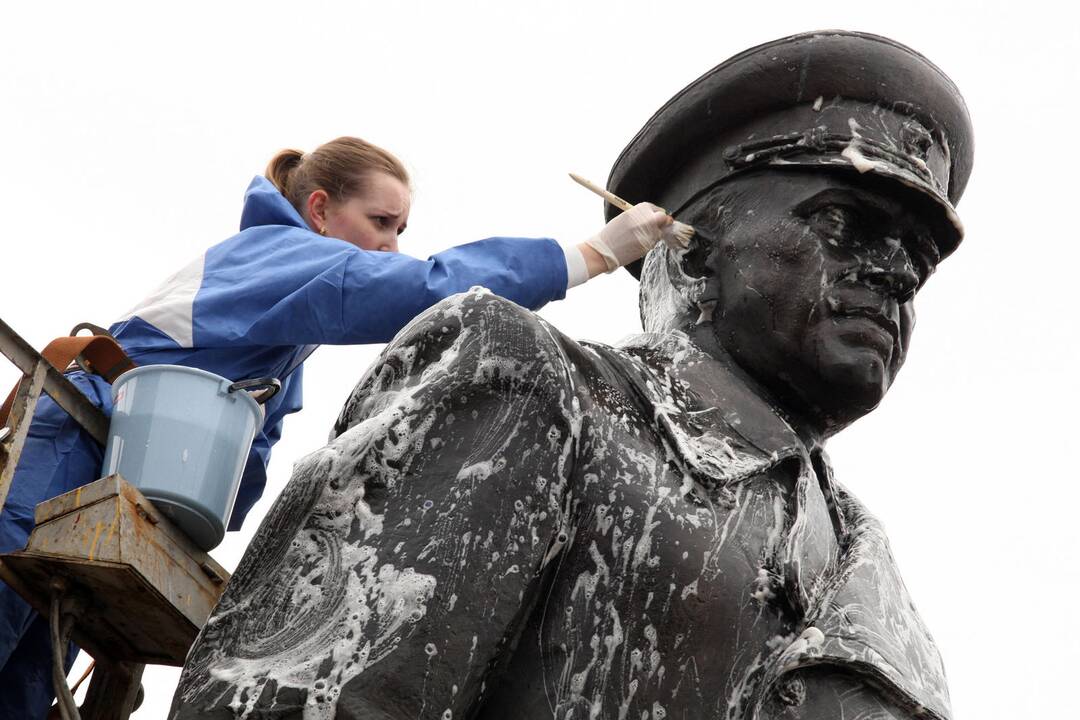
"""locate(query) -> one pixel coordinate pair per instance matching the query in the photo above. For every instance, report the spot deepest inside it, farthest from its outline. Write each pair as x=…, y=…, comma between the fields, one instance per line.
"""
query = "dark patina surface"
x=510, y=523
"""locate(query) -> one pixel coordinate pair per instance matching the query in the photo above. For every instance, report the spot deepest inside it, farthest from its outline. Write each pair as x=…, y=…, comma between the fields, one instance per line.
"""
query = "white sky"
x=129, y=135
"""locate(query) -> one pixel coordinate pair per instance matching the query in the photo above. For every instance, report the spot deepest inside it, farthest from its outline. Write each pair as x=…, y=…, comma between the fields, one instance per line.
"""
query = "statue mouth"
x=876, y=317
x=858, y=303
x=879, y=330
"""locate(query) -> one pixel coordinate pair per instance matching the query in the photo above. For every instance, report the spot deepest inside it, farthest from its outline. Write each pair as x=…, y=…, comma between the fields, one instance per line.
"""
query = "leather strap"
x=99, y=354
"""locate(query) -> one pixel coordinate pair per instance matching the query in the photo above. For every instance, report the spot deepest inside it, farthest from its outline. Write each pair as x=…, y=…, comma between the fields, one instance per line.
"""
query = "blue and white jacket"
x=256, y=304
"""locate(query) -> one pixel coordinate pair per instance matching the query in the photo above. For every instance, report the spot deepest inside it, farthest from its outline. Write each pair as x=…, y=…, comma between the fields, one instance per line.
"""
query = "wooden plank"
x=177, y=576
x=115, y=485
x=146, y=588
x=123, y=617
x=138, y=521
x=165, y=526
x=90, y=533
x=88, y=494
x=29, y=587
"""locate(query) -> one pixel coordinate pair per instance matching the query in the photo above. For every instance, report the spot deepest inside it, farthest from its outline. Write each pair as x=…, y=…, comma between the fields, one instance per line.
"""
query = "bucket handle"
x=271, y=388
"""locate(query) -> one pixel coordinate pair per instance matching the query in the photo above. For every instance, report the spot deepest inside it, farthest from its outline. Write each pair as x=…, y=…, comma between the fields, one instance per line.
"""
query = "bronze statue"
x=512, y=524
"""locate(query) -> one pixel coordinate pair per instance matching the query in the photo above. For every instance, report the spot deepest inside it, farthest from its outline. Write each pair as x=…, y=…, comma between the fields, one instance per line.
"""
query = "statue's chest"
x=664, y=598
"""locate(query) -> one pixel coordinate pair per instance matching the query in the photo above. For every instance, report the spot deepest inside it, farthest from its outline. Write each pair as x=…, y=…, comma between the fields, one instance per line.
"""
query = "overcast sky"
x=129, y=135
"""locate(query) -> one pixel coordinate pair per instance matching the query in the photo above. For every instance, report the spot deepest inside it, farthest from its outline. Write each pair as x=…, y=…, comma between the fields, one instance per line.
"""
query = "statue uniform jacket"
x=509, y=523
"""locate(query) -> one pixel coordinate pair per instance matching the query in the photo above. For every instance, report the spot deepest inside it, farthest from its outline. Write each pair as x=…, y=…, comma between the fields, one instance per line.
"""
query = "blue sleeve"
x=380, y=298
x=253, y=480
x=286, y=286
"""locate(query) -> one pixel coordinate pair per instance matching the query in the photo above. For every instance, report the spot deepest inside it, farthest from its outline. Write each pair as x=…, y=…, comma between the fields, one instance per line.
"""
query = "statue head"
x=820, y=172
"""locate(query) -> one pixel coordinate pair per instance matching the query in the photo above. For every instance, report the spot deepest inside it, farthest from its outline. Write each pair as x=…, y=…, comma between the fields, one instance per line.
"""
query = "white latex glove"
x=630, y=235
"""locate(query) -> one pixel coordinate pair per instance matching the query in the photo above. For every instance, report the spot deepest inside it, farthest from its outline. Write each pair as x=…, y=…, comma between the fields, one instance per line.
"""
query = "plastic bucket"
x=182, y=436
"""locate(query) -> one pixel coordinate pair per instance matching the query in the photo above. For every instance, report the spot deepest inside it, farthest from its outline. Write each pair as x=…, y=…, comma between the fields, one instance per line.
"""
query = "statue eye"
x=837, y=224
x=922, y=250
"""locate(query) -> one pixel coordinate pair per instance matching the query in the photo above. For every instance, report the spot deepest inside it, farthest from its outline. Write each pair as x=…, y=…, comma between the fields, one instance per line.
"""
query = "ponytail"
x=281, y=166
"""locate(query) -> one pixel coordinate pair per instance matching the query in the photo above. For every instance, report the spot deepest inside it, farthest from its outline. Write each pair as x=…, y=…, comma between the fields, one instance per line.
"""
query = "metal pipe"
x=65, y=700
x=22, y=414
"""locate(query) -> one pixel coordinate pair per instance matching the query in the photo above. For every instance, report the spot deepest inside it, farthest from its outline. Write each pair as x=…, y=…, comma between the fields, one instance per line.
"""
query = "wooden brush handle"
x=610, y=197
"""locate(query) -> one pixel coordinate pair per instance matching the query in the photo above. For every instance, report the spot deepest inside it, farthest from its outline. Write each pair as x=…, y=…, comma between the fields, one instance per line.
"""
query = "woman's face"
x=373, y=220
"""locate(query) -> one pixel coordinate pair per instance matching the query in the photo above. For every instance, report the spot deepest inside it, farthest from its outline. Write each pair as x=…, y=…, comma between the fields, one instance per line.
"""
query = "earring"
x=323, y=230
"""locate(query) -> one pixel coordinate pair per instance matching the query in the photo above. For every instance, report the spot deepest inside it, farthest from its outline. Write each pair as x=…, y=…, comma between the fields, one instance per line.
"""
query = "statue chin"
x=829, y=380
x=852, y=381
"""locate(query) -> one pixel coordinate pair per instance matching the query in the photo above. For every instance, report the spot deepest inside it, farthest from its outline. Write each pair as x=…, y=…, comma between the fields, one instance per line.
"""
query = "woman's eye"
x=381, y=220
x=837, y=224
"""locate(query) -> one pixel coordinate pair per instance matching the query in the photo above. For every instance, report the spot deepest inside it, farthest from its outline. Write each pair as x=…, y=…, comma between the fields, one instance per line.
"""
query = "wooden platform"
x=144, y=588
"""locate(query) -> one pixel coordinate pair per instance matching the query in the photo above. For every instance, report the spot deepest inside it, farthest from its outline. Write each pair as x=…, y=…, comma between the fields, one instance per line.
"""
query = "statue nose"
x=893, y=276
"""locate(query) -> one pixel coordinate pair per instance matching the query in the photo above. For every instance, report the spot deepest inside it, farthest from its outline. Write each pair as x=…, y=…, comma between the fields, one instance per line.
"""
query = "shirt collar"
x=731, y=436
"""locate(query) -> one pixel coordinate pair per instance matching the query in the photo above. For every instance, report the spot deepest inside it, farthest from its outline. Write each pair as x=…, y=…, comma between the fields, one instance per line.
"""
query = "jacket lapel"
x=720, y=433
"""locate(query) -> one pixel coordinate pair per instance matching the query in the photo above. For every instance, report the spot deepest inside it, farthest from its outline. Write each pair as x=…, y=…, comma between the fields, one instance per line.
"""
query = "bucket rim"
x=183, y=369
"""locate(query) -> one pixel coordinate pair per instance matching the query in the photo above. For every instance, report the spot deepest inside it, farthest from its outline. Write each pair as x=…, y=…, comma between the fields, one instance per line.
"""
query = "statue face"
x=814, y=274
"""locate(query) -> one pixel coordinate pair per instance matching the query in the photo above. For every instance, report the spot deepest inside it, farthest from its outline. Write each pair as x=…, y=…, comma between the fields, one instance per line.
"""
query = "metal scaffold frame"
x=102, y=563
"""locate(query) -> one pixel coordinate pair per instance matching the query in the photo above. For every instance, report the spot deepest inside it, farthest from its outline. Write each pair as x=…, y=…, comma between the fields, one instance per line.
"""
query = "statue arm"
x=403, y=587
x=475, y=508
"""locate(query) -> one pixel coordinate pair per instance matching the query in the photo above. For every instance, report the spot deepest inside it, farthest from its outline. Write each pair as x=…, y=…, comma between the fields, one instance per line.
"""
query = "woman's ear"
x=316, y=207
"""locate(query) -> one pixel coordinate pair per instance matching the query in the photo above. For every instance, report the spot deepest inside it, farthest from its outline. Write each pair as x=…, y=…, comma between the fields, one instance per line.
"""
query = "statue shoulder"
x=466, y=342
x=465, y=426
x=866, y=627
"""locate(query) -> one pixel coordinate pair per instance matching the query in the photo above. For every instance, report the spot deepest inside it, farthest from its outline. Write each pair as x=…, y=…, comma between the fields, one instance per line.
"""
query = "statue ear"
x=668, y=293
x=710, y=215
x=695, y=261
x=675, y=283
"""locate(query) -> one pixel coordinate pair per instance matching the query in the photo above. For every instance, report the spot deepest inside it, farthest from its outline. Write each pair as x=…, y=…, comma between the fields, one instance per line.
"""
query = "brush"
x=677, y=236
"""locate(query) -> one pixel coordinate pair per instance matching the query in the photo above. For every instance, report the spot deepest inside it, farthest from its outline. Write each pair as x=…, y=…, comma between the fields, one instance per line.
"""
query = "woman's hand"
x=625, y=239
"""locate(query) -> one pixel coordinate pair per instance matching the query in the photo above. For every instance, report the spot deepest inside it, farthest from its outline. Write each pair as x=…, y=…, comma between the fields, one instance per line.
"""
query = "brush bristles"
x=678, y=235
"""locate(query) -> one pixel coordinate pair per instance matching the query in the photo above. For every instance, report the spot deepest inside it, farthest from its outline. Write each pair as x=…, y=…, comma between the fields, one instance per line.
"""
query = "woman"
x=315, y=262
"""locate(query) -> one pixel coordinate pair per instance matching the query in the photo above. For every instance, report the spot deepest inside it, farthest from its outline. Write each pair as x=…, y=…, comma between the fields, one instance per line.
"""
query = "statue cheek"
x=793, y=240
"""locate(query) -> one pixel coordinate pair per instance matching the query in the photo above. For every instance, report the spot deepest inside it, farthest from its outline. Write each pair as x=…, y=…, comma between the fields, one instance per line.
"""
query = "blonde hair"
x=341, y=167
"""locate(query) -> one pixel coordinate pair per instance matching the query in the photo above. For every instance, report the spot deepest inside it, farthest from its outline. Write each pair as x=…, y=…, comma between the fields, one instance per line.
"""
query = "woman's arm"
x=276, y=287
